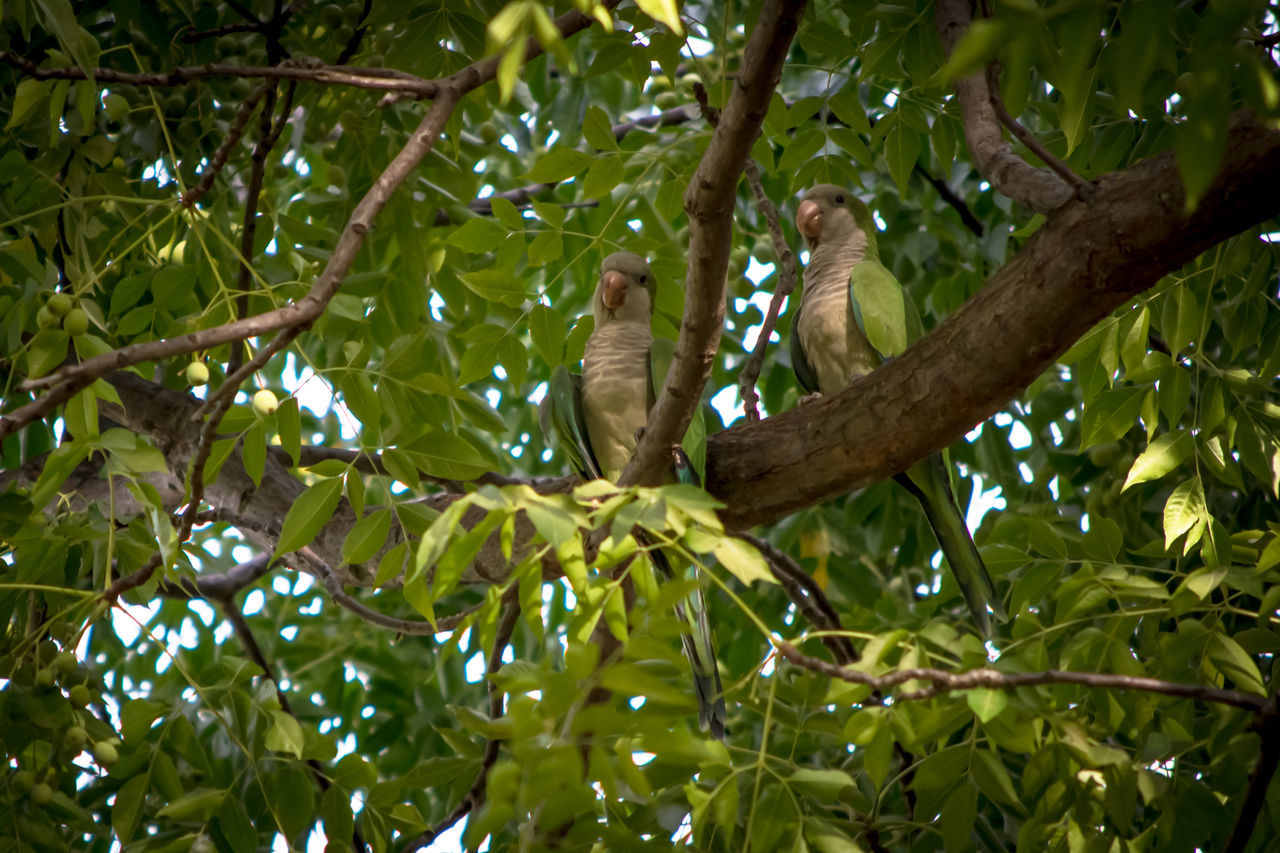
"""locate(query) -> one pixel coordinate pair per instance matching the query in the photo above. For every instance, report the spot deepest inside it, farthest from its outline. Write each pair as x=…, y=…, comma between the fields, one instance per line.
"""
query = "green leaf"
x=288, y=424
x=26, y=98
x=664, y=12
x=1110, y=415
x=309, y=513
x=901, y=150
x=982, y=41
x=477, y=235
x=559, y=164
x=1167, y=452
x=1185, y=511
x=743, y=560
x=986, y=703
x=367, y=536
x=198, y=805
x=285, y=734
x=824, y=783
x=605, y=174
x=254, y=451
x=547, y=329
x=597, y=130
x=495, y=285
x=126, y=811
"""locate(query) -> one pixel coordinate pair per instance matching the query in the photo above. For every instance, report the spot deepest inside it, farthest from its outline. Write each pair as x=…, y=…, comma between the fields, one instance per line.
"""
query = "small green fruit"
x=80, y=695
x=65, y=662
x=331, y=16
x=105, y=753
x=197, y=373
x=59, y=304
x=264, y=402
x=24, y=780
x=45, y=318
x=76, y=322
x=489, y=133
x=45, y=678
x=667, y=100
x=41, y=794
x=76, y=737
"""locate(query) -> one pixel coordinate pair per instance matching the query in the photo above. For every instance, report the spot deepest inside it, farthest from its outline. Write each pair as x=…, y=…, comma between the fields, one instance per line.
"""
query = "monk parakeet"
x=853, y=314
x=595, y=418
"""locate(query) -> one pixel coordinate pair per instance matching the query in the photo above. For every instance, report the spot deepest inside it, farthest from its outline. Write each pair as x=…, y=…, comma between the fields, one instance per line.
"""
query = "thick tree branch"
x=709, y=203
x=1039, y=189
x=945, y=682
x=1087, y=259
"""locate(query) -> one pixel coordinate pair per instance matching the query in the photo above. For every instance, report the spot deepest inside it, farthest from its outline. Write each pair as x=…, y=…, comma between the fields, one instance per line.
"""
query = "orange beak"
x=615, y=290
x=809, y=219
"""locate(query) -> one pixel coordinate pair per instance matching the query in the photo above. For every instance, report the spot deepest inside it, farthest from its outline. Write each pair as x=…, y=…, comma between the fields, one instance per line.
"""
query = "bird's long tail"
x=927, y=480
x=700, y=648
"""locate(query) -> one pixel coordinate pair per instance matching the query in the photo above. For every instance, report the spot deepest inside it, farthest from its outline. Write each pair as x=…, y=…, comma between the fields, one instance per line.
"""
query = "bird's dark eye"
x=839, y=199
x=642, y=279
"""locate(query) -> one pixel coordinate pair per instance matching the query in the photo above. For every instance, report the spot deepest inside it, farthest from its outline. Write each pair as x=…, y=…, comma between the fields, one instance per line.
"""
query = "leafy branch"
x=942, y=681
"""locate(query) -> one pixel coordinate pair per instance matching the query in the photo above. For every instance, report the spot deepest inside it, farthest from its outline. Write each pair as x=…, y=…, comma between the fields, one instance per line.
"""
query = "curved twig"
x=946, y=682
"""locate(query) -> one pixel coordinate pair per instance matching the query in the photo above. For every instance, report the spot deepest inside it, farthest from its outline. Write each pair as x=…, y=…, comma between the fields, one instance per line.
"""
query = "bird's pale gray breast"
x=615, y=391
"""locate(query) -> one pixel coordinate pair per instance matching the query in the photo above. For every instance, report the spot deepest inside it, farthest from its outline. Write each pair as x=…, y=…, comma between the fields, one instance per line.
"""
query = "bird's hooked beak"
x=614, y=290
x=809, y=221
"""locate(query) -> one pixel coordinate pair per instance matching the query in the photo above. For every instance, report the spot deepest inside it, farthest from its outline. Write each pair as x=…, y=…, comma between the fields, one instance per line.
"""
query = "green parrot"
x=852, y=315
x=596, y=416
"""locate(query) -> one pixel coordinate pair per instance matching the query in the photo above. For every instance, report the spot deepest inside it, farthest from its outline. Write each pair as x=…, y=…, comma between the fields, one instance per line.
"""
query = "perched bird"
x=596, y=417
x=852, y=315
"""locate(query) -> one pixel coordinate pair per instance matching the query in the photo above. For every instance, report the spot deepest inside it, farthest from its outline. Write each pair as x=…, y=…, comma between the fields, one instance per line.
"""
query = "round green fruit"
x=65, y=662
x=41, y=794
x=45, y=318
x=264, y=402
x=80, y=695
x=489, y=133
x=76, y=737
x=667, y=100
x=24, y=780
x=59, y=304
x=105, y=754
x=331, y=16
x=197, y=373
x=76, y=322
x=46, y=678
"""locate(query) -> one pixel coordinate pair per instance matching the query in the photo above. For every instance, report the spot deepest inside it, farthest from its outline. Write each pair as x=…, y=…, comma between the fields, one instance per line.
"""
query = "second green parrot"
x=852, y=315
x=595, y=417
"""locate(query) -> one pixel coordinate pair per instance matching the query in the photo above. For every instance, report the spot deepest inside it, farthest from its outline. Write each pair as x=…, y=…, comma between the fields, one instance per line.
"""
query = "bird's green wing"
x=927, y=480
x=694, y=444
x=800, y=363
x=560, y=415
x=884, y=314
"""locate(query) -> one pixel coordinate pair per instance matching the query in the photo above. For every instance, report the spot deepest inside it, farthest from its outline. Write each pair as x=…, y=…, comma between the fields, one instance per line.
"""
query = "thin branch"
x=1027, y=138
x=234, y=132
x=1039, y=189
x=1268, y=726
x=219, y=587
x=253, y=651
x=410, y=627
x=406, y=85
x=709, y=204
x=474, y=797
x=948, y=195
x=191, y=35
x=807, y=596
x=786, y=284
x=946, y=682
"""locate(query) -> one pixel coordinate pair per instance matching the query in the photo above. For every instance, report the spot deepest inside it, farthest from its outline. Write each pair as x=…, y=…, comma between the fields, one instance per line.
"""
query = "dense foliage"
x=1131, y=490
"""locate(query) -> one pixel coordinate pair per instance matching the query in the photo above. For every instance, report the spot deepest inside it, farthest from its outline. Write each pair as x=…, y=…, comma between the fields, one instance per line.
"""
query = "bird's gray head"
x=833, y=215
x=625, y=291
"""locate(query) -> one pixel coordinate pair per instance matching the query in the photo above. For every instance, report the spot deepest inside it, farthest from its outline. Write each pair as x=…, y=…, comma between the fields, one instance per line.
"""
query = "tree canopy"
x=288, y=564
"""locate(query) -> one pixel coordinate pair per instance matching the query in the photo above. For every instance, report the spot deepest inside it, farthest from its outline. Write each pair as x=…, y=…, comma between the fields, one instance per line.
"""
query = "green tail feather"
x=927, y=480
x=700, y=649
